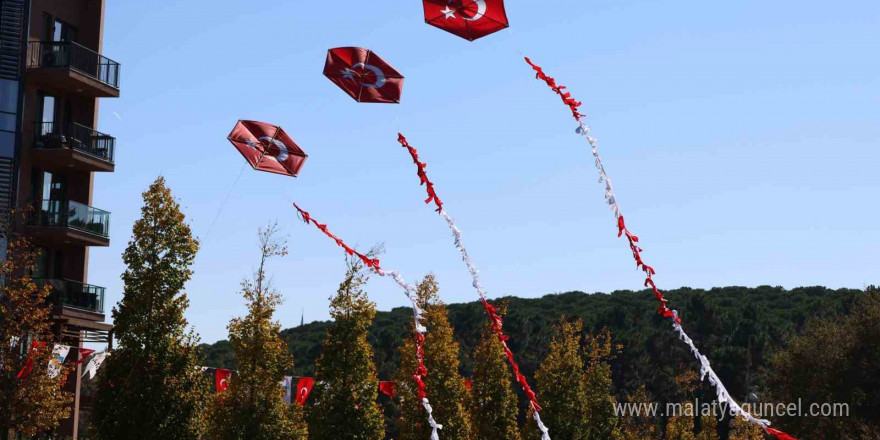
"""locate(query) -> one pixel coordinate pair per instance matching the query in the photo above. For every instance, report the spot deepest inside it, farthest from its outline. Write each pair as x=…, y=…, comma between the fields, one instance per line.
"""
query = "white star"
x=450, y=13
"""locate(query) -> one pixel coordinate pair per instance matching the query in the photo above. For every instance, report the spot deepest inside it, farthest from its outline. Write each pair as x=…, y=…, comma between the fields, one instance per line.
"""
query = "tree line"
x=586, y=355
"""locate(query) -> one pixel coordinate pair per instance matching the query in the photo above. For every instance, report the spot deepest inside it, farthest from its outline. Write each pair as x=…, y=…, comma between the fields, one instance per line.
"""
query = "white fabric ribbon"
x=706, y=370
x=545, y=433
x=418, y=314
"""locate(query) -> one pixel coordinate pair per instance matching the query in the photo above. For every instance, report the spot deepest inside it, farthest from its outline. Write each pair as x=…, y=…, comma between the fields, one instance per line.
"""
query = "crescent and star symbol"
x=481, y=10
x=348, y=73
x=265, y=140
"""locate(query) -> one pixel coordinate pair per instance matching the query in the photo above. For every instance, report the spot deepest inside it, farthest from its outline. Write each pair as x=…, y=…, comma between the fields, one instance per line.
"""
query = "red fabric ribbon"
x=497, y=325
x=36, y=346
x=566, y=97
x=779, y=434
x=372, y=263
x=423, y=176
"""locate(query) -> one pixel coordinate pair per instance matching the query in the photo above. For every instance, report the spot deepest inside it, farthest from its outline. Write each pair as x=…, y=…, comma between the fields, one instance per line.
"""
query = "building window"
x=8, y=116
x=46, y=114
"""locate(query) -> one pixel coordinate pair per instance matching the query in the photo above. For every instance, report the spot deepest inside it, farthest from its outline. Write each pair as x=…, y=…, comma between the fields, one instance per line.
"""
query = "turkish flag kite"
x=221, y=379
x=388, y=388
x=303, y=389
x=469, y=19
x=363, y=75
x=267, y=147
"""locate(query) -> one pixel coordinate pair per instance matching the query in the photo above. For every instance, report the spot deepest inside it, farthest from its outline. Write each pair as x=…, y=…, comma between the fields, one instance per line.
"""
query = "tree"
x=446, y=389
x=36, y=402
x=638, y=423
x=345, y=394
x=834, y=361
x=682, y=426
x=153, y=387
x=253, y=406
x=560, y=380
x=743, y=430
x=494, y=402
x=601, y=420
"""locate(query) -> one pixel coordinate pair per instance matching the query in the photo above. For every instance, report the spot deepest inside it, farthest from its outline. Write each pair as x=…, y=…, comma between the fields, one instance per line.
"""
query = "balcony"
x=69, y=222
x=75, y=294
x=64, y=146
x=71, y=66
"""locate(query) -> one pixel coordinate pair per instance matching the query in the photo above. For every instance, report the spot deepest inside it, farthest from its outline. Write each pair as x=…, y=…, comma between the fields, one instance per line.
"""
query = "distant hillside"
x=724, y=322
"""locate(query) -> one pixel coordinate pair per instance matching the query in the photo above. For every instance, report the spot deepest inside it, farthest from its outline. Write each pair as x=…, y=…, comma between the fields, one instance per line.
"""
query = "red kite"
x=267, y=148
x=469, y=19
x=363, y=75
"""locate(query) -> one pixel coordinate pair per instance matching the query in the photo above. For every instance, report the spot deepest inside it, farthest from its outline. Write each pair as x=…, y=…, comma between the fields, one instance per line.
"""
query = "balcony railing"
x=74, y=136
x=69, y=293
x=70, y=214
x=74, y=56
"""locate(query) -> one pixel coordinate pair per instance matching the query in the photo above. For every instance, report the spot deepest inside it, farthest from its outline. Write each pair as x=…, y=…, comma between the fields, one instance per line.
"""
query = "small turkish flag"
x=303, y=389
x=363, y=75
x=469, y=19
x=388, y=388
x=221, y=379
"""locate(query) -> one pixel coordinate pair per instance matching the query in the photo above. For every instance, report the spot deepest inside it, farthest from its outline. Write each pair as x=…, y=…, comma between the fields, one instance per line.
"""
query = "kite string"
x=495, y=319
x=223, y=204
x=706, y=370
x=418, y=314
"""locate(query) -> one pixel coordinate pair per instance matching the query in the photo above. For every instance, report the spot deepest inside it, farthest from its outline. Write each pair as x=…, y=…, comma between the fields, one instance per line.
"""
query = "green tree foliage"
x=494, y=402
x=833, y=361
x=412, y=419
x=153, y=387
x=641, y=425
x=743, y=430
x=601, y=420
x=345, y=394
x=253, y=407
x=561, y=385
x=36, y=402
x=683, y=426
x=446, y=388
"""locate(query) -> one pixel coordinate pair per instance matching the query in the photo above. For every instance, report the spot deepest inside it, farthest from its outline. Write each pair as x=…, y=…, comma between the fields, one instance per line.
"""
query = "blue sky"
x=742, y=139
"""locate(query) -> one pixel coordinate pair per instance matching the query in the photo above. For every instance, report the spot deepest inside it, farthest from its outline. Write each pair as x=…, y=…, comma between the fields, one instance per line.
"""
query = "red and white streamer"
x=494, y=317
x=705, y=368
x=418, y=313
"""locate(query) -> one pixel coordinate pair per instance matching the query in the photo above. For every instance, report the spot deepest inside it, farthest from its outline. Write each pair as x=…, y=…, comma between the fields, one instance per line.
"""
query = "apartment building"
x=52, y=78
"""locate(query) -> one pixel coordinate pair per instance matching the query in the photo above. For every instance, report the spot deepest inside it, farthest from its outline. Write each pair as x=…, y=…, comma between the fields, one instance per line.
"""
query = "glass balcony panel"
x=74, y=136
x=74, y=56
x=75, y=215
x=69, y=293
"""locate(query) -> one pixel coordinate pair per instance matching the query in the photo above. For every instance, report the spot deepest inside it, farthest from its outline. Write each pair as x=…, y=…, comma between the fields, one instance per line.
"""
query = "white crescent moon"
x=223, y=383
x=282, y=149
x=481, y=10
x=380, y=75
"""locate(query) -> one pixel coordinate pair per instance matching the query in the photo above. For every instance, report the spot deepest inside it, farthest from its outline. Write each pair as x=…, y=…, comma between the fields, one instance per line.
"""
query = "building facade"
x=52, y=77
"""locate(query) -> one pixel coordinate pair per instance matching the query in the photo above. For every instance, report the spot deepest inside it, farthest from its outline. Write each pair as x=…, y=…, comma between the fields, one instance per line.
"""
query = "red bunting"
x=490, y=310
x=36, y=346
x=303, y=389
x=633, y=240
x=373, y=264
x=221, y=379
x=468, y=384
x=388, y=388
x=423, y=177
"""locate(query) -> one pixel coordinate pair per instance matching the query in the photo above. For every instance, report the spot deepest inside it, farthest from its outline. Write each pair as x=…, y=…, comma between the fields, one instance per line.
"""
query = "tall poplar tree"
x=494, y=402
x=253, y=406
x=638, y=423
x=560, y=381
x=446, y=389
x=33, y=402
x=153, y=387
x=601, y=418
x=346, y=384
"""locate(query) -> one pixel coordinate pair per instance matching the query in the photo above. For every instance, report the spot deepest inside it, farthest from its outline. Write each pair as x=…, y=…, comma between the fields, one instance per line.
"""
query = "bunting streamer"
x=411, y=293
x=494, y=317
x=59, y=353
x=94, y=364
x=705, y=368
